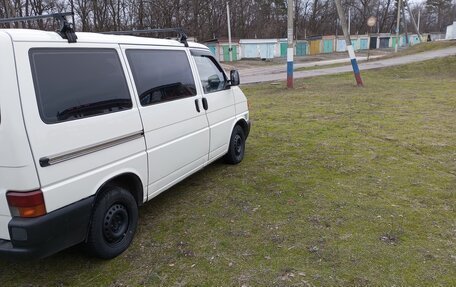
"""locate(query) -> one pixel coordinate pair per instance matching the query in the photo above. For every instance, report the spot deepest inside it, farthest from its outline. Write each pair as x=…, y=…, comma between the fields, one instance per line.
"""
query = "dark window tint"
x=77, y=83
x=161, y=76
x=211, y=75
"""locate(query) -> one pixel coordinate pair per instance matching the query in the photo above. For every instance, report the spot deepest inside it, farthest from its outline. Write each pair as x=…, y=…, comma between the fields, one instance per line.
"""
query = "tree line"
x=207, y=19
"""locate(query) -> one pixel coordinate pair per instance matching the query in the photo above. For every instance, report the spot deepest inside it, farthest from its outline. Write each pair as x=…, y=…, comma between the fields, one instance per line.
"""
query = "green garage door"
x=283, y=49
x=226, y=53
x=213, y=50
x=301, y=49
x=394, y=41
x=328, y=46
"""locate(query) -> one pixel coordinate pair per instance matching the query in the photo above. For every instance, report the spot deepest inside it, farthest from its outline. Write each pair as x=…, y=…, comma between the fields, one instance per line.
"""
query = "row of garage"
x=276, y=48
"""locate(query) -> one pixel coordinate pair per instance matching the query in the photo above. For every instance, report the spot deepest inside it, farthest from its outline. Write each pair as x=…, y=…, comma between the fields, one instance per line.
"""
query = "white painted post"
x=351, y=51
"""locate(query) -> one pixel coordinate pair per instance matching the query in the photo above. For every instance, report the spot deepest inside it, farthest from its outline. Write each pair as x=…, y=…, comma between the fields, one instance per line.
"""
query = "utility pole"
x=419, y=18
x=349, y=21
x=407, y=40
x=371, y=22
x=398, y=23
x=417, y=30
x=290, y=50
x=72, y=12
x=230, y=49
x=337, y=28
x=351, y=51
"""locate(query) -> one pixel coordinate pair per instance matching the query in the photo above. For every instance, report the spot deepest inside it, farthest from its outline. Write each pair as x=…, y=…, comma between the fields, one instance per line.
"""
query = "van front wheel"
x=114, y=221
x=236, y=146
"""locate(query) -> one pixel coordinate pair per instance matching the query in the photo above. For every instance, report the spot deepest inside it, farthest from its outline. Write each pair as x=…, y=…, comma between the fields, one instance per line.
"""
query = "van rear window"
x=72, y=84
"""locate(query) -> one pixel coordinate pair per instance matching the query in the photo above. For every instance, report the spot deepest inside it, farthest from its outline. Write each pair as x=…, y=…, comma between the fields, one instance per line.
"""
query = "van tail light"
x=26, y=204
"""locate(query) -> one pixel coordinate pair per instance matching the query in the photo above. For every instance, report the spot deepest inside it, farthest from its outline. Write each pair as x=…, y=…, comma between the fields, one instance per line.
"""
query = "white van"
x=91, y=130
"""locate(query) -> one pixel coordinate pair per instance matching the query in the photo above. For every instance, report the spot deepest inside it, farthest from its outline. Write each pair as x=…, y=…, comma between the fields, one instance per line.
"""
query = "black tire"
x=114, y=222
x=237, y=146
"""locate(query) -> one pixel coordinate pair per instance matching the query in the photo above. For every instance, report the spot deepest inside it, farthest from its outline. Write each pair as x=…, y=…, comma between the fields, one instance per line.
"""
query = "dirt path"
x=278, y=73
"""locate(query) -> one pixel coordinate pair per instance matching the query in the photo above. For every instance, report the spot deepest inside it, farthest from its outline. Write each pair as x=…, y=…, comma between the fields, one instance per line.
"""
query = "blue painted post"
x=354, y=63
x=290, y=49
x=351, y=51
x=290, y=68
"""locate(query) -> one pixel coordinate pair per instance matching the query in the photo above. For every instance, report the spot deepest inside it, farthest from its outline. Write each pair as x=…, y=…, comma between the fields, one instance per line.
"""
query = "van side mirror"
x=234, y=78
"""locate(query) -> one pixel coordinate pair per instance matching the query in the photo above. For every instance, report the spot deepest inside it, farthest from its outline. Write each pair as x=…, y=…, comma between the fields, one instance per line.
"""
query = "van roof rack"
x=66, y=29
x=181, y=34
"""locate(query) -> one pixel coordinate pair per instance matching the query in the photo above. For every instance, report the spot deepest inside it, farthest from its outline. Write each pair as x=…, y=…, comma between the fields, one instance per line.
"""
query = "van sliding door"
x=175, y=125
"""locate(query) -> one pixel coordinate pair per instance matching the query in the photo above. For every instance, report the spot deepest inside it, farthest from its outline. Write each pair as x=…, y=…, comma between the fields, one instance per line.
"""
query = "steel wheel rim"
x=115, y=223
x=238, y=146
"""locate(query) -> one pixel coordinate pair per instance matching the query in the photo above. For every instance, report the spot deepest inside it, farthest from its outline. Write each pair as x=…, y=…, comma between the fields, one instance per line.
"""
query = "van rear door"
x=17, y=169
x=82, y=124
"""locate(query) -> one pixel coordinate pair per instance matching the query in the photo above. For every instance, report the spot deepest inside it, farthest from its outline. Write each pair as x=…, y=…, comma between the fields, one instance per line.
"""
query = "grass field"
x=340, y=186
x=423, y=47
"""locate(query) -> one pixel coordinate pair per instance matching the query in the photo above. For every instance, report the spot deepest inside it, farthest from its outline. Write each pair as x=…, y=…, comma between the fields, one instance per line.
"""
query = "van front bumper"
x=33, y=238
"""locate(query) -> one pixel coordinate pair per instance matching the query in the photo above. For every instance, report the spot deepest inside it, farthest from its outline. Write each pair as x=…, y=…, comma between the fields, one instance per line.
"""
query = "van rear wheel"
x=114, y=222
x=236, y=146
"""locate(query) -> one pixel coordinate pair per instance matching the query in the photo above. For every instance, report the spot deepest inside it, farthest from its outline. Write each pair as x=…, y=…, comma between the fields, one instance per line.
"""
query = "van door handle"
x=197, y=105
x=205, y=105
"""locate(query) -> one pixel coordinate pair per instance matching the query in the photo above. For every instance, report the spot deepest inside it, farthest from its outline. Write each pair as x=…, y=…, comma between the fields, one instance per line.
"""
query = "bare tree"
x=206, y=19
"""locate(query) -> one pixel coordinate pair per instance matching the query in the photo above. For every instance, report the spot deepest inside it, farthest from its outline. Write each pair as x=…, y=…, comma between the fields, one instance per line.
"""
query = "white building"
x=451, y=31
x=260, y=48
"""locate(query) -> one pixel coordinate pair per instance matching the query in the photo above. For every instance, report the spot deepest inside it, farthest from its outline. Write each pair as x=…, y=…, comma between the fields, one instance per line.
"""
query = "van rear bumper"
x=33, y=238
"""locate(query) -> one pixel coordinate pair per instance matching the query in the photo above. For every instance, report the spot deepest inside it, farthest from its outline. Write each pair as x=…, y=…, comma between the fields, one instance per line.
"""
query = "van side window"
x=211, y=75
x=72, y=84
x=161, y=75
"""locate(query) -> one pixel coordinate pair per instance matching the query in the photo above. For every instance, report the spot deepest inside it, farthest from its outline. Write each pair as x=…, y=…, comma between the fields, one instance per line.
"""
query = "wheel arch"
x=240, y=121
x=130, y=181
x=126, y=180
x=244, y=125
